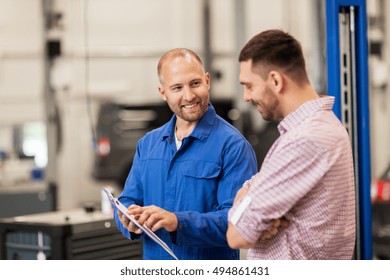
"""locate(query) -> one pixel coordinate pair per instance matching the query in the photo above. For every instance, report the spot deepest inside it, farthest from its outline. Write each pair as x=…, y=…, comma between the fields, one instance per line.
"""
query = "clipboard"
x=118, y=205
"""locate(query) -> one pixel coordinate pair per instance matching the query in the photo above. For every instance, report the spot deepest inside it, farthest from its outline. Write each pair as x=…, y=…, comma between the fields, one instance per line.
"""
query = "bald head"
x=175, y=53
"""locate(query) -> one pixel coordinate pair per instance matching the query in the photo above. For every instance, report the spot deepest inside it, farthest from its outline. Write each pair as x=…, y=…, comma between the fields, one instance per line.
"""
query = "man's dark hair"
x=276, y=49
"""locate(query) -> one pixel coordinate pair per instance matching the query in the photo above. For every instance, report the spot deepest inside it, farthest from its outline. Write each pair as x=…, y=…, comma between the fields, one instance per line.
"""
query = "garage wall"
x=110, y=49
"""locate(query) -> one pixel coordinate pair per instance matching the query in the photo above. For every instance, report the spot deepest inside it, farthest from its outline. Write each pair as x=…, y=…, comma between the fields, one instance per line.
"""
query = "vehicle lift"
x=347, y=70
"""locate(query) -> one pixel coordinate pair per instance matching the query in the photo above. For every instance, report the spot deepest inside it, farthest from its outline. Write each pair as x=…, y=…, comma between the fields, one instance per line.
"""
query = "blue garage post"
x=347, y=77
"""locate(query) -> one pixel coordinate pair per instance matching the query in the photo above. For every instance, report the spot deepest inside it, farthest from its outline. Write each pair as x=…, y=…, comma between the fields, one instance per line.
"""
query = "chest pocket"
x=202, y=170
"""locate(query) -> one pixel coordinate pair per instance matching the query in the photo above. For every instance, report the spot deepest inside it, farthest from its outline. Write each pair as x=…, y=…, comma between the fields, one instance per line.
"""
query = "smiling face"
x=259, y=92
x=185, y=87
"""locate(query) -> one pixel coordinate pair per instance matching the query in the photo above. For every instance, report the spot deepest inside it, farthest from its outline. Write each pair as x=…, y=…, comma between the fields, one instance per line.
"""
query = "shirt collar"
x=304, y=111
x=202, y=129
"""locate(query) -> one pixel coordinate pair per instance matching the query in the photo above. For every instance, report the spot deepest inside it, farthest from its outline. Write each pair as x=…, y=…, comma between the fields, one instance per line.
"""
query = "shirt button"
x=179, y=244
x=180, y=227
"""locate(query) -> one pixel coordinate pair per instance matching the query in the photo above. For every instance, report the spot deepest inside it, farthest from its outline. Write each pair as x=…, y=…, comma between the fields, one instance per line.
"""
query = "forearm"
x=235, y=240
x=202, y=229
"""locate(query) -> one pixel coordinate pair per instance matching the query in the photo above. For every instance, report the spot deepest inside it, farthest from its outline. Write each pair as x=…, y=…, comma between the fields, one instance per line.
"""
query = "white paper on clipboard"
x=117, y=204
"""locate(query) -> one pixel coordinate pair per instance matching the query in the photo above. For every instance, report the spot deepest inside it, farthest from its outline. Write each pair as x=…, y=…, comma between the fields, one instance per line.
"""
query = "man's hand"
x=154, y=217
x=276, y=225
x=236, y=241
x=126, y=223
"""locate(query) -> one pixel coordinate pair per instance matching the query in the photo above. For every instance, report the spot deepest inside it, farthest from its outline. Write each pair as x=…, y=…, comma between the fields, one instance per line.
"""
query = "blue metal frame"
x=362, y=126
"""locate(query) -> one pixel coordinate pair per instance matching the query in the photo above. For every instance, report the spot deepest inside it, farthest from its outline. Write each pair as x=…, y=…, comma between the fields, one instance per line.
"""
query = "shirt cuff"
x=249, y=226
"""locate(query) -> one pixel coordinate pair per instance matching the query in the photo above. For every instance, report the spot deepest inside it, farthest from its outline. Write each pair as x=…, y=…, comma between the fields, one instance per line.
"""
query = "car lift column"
x=51, y=49
x=347, y=55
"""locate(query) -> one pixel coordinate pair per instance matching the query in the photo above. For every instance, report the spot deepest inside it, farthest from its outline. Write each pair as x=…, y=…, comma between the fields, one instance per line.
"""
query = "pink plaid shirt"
x=308, y=178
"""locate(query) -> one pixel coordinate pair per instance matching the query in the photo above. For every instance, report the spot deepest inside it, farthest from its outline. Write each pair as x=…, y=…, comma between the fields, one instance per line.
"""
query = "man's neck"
x=297, y=97
x=184, y=129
